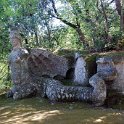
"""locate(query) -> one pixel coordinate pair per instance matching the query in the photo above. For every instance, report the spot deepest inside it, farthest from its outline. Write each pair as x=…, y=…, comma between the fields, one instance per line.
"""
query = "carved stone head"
x=15, y=38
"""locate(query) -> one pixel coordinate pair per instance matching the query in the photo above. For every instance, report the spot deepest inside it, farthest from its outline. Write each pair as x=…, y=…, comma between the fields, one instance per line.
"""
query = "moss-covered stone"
x=71, y=52
x=112, y=53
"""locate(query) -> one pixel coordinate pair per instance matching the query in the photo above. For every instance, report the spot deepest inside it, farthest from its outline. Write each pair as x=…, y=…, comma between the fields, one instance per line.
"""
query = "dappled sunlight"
x=3, y=108
x=23, y=118
x=109, y=118
x=40, y=111
x=44, y=115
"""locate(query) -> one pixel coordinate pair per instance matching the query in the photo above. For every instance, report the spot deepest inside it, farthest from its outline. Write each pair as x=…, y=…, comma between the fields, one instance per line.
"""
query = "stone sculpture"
x=80, y=72
x=118, y=83
x=26, y=82
x=99, y=92
x=43, y=63
x=55, y=91
x=106, y=69
x=106, y=74
x=22, y=83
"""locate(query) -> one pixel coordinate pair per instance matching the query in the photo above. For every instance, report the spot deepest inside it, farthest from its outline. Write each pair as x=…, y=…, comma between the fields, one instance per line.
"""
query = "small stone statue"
x=80, y=72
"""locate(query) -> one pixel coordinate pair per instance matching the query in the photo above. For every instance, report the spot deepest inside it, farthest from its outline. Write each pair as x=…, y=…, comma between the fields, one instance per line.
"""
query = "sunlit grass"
x=4, y=76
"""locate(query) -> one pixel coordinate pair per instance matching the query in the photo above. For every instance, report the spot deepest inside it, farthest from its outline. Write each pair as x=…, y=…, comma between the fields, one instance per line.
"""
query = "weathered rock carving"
x=106, y=69
x=55, y=91
x=99, y=91
x=118, y=83
x=27, y=83
x=44, y=63
x=23, y=85
x=80, y=72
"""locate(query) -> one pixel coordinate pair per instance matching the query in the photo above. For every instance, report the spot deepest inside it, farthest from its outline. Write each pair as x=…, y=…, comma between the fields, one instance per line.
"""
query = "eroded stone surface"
x=99, y=91
x=106, y=69
x=55, y=91
x=44, y=63
x=80, y=72
x=18, y=65
x=118, y=83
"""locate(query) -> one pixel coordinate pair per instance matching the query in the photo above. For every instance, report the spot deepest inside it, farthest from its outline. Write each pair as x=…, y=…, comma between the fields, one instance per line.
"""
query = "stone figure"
x=17, y=61
x=118, y=83
x=99, y=92
x=107, y=71
x=80, y=72
x=19, y=68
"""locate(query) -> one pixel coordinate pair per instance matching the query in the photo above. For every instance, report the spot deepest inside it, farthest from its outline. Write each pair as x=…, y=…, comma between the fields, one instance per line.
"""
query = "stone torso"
x=18, y=65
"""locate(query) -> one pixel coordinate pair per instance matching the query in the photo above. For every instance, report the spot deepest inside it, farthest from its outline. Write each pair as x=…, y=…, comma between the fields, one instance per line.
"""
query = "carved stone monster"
x=25, y=86
x=44, y=63
x=55, y=91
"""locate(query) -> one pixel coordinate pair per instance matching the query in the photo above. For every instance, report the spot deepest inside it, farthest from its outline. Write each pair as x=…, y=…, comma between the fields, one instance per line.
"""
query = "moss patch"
x=69, y=52
x=113, y=53
x=117, y=57
x=67, y=82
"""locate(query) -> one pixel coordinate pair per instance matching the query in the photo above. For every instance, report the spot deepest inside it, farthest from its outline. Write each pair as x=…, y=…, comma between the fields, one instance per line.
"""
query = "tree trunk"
x=107, y=36
x=74, y=26
x=82, y=37
x=122, y=16
x=119, y=9
x=36, y=38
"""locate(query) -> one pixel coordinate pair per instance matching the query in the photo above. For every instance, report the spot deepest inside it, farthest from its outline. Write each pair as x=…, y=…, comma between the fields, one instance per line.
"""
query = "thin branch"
x=111, y=2
x=58, y=16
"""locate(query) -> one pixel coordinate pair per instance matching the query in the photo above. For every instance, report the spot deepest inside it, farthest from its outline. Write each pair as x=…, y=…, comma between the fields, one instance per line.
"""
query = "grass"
x=5, y=82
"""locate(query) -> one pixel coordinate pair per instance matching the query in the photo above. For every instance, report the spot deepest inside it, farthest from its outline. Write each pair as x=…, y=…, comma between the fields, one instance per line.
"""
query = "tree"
x=76, y=26
x=94, y=23
x=120, y=9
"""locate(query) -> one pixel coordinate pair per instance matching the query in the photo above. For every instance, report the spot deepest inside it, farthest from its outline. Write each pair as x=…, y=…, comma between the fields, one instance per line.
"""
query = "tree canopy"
x=80, y=24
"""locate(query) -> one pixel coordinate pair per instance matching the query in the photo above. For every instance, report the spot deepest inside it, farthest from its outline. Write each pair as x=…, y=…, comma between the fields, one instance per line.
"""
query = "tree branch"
x=58, y=16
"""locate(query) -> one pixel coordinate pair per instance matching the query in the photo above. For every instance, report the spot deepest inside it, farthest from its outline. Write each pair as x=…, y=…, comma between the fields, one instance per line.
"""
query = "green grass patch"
x=5, y=81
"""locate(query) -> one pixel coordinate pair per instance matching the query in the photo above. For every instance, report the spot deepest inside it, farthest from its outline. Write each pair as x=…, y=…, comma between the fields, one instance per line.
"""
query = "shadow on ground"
x=40, y=111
